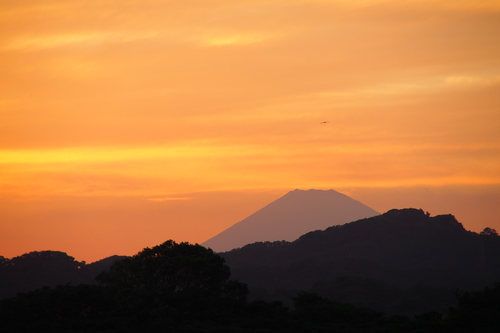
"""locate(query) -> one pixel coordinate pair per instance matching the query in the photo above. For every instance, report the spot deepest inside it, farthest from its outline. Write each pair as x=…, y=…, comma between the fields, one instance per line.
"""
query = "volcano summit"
x=291, y=216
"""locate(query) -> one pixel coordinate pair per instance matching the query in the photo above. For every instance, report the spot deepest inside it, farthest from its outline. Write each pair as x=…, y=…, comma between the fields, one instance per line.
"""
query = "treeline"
x=187, y=288
x=47, y=268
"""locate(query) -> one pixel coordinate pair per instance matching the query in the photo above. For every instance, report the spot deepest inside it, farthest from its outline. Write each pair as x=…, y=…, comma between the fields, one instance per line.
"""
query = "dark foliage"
x=478, y=311
x=403, y=262
x=186, y=288
x=171, y=285
x=46, y=268
x=36, y=269
x=385, y=259
x=386, y=297
x=489, y=232
x=173, y=272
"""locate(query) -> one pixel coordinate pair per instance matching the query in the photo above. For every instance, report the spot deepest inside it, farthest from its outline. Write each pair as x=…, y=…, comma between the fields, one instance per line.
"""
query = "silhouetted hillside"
x=46, y=268
x=393, y=251
x=93, y=269
x=403, y=261
x=187, y=288
x=182, y=287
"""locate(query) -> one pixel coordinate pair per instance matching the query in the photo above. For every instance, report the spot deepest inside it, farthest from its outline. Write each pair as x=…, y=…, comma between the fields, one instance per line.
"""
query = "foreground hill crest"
x=402, y=261
x=289, y=217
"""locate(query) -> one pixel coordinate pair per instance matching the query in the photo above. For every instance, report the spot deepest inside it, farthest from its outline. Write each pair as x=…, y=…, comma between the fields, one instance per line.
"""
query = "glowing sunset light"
x=156, y=119
x=109, y=154
x=235, y=39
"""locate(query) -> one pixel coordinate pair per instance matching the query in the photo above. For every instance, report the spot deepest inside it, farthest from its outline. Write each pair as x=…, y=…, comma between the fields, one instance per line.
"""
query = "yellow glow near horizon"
x=89, y=155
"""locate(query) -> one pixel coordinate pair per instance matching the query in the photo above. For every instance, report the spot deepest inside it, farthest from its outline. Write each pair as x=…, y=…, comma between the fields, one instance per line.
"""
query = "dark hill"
x=46, y=268
x=397, y=250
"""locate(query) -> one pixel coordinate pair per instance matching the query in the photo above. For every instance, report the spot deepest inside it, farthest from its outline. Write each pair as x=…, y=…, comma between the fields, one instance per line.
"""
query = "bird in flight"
x=324, y=122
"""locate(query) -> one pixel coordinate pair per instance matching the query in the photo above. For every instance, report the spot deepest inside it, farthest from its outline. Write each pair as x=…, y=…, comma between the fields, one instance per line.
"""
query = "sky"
x=127, y=123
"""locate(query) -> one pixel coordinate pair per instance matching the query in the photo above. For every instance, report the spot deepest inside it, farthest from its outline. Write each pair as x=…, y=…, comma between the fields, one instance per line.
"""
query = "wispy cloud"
x=76, y=39
x=242, y=38
x=170, y=199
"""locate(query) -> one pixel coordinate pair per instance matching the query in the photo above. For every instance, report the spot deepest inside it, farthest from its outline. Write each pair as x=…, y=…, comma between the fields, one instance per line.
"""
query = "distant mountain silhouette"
x=46, y=268
x=400, y=253
x=291, y=216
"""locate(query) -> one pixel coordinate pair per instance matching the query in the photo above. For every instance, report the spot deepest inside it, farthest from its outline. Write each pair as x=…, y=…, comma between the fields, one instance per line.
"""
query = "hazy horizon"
x=228, y=200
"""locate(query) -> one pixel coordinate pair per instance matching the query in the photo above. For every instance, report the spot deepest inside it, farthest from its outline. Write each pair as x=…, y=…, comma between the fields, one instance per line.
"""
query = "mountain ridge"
x=403, y=261
x=402, y=249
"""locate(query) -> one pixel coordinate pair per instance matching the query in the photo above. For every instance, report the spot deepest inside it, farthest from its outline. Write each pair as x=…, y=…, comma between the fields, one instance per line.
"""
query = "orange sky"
x=126, y=123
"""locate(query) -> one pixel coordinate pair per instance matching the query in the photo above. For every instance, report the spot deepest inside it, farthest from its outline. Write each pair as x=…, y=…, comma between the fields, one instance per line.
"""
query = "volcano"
x=291, y=216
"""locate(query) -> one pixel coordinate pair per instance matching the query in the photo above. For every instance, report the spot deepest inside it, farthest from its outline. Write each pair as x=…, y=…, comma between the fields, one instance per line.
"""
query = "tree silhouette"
x=37, y=269
x=477, y=311
x=489, y=232
x=174, y=271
